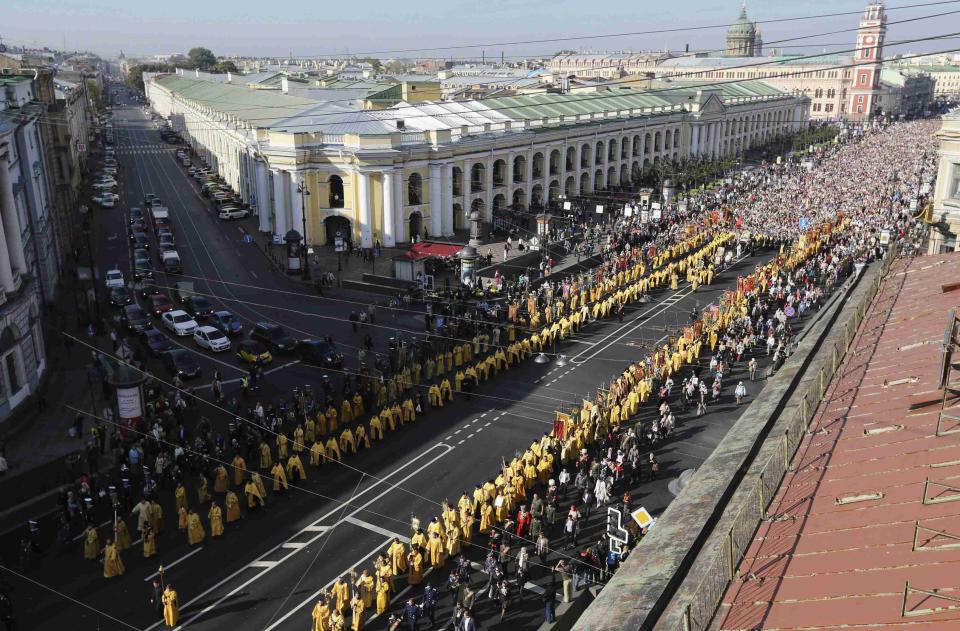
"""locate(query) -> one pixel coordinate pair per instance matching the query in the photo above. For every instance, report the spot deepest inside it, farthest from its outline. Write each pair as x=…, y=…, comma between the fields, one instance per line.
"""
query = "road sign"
x=81, y=147
x=642, y=517
x=248, y=238
x=789, y=312
x=567, y=206
x=616, y=533
x=803, y=223
x=599, y=209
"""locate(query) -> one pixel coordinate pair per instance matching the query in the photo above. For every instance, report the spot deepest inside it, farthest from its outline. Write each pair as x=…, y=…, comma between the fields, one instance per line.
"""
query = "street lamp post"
x=302, y=189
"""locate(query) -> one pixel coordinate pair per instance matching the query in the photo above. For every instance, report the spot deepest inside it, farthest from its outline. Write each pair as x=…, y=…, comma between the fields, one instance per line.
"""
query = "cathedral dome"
x=743, y=27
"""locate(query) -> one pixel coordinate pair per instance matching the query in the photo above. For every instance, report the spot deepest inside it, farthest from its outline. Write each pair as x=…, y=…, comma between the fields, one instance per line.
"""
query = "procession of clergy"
x=695, y=260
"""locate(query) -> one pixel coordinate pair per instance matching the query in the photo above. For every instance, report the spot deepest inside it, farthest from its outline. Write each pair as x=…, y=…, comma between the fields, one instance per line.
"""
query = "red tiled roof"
x=822, y=565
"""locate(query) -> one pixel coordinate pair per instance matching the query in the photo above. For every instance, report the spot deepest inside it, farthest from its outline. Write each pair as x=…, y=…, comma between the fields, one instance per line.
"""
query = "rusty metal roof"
x=868, y=507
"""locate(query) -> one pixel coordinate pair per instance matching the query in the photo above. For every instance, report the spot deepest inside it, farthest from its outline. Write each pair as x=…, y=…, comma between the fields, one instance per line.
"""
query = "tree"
x=224, y=67
x=135, y=74
x=202, y=58
x=93, y=89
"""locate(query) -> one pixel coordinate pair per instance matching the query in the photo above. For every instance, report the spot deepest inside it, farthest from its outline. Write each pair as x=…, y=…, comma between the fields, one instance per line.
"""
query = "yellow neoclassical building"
x=420, y=169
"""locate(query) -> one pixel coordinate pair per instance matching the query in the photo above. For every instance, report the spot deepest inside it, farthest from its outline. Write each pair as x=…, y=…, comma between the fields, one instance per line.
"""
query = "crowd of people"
x=818, y=223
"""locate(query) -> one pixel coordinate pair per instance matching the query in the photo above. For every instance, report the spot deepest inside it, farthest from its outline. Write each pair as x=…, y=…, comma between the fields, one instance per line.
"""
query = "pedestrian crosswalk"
x=144, y=149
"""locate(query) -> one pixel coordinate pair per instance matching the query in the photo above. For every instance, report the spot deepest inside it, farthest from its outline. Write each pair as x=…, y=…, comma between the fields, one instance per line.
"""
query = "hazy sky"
x=378, y=26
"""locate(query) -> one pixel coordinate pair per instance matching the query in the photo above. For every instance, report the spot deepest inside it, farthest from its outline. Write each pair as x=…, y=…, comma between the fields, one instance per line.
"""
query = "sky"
x=470, y=28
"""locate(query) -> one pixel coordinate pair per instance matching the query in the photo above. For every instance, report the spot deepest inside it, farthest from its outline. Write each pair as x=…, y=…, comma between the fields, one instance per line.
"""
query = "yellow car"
x=253, y=352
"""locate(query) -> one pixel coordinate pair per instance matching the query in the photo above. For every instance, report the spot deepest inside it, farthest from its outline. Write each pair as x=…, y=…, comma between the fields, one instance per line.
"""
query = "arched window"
x=336, y=191
x=415, y=190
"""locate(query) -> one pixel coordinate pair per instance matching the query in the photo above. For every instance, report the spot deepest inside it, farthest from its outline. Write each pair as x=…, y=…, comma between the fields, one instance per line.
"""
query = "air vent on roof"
x=400, y=125
x=863, y=497
x=882, y=430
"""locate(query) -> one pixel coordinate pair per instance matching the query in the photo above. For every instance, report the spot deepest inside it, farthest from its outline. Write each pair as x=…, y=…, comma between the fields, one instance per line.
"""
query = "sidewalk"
x=37, y=440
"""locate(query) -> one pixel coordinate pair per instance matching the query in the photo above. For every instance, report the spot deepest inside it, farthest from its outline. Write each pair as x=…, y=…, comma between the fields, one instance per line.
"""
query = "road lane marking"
x=313, y=597
x=170, y=565
x=263, y=564
x=375, y=528
x=270, y=565
x=316, y=529
x=293, y=546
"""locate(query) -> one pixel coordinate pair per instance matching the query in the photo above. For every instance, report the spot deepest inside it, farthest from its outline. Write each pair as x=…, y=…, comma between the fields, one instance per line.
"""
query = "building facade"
x=946, y=196
x=420, y=169
x=23, y=211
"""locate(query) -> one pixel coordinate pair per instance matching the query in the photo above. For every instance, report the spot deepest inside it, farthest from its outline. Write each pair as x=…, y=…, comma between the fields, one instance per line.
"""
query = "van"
x=171, y=262
x=160, y=214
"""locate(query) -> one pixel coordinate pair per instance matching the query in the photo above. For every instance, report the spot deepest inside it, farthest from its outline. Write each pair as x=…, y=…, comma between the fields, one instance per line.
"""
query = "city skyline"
x=458, y=31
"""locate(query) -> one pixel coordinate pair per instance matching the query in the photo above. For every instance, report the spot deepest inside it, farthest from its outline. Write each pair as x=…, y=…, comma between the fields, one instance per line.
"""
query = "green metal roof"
x=257, y=107
x=535, y=106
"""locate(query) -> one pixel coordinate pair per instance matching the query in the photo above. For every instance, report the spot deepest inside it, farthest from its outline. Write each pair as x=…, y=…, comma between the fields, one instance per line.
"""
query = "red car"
x=160, y=304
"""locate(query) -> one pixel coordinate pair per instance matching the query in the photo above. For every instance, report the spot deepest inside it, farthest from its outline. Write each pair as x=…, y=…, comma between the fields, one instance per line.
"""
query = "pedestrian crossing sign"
x=643, y=518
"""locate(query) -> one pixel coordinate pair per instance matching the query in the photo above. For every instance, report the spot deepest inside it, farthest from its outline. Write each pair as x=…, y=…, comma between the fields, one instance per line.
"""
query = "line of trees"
x=198, y=58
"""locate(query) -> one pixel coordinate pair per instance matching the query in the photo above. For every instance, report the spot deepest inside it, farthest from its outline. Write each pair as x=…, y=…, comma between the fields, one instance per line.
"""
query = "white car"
x=115, y=279
x=179, y=322
x=106, y=200
x=233, y=213
x=211, y=339
x=105, y=185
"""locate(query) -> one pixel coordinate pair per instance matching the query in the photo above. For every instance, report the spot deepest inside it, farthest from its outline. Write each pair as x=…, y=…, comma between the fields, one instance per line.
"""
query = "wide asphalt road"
x=266, y=572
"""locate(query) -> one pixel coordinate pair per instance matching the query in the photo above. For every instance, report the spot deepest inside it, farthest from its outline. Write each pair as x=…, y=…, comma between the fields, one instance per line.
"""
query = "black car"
x=198, y=307
x=181, y=362
x=319, y=353
x=140, y=240
x=142, y=265
x=136, y=214
x=120, y=297
x=155, y=342
x=147, y=198
x=135, y=318
x=273, y=336
x=148, y=287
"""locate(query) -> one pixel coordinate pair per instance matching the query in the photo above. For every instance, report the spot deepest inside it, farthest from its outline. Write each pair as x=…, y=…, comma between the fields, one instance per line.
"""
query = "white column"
x=6, y=205
x=388, y=211
x=400, y=226
x=488, y=190
x=296, y=206
x=280, y=225
x=11, y=223
x=643, y=146
x=263, y=197
x=446, y=224
x=718, y=141
x=363, y=201
x=695, y=140
x=436, y=201
x=528, y=179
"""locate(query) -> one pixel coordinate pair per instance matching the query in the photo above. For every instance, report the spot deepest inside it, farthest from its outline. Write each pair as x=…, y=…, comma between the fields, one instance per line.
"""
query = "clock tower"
x=867, y=62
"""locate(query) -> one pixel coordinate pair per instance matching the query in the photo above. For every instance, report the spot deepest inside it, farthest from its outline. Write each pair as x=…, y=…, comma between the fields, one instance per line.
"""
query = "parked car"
x=273, y=336
x=147, y=198
x=140, y=240
x=233, y=213
x=135, y=318
x=171, y=262
x=115, y=279
x=120, y=296
x=181, y=362
x=155, y=342
x=319, y=353
x=136, y=214
x=166, y=239
x=105, y=201
x=212, y=339
x=160, y=304
x=228, y=323
x=253, y=352
x=179, y=322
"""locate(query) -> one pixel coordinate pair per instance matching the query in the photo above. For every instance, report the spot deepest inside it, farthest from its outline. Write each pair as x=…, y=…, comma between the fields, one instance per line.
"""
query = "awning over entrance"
x=426, y=249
